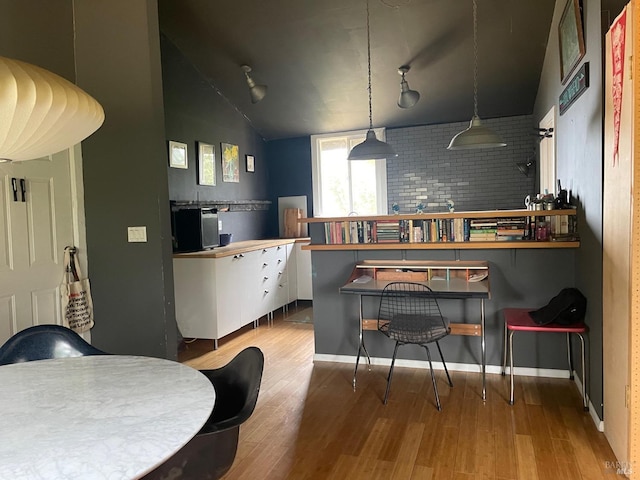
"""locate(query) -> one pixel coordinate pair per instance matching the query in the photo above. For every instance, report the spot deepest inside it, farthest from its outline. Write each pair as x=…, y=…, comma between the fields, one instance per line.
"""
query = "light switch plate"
x=137, y=234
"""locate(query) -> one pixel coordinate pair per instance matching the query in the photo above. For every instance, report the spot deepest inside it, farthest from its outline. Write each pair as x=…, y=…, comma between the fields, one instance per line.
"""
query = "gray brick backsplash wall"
x=483, y=179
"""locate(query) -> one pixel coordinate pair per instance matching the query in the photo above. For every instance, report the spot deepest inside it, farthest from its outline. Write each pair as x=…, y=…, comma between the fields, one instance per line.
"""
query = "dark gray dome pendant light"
x=257, y=92
x=408, y=98
x=371, y=148
x=477, y=135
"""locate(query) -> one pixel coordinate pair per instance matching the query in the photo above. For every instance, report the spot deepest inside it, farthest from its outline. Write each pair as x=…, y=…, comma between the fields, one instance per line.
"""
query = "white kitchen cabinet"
x=219, y=291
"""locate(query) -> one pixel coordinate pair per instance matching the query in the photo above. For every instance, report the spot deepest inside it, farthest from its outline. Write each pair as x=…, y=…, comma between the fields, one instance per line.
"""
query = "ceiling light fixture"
x=41, y=113
x=257, y=92
x=408, y=98
x=371, y=148
x=477, y=135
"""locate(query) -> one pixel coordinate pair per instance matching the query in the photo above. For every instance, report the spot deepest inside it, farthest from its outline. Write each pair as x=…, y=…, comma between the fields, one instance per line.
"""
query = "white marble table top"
x=107, y=417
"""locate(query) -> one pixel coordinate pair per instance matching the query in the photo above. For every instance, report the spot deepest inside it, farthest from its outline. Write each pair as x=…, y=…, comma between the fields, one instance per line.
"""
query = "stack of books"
x=388, y=231
x=510, y=229
x=482, y=229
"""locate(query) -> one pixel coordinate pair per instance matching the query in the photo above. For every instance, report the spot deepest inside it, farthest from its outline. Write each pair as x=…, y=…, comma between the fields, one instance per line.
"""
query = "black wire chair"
x=409, y=314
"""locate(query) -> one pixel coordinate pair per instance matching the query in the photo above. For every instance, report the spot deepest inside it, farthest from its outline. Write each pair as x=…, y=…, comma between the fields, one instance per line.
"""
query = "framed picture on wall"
x=251, y=163
x=230, y=163
x=206, y=164
x=570, y=38
x=178, y=155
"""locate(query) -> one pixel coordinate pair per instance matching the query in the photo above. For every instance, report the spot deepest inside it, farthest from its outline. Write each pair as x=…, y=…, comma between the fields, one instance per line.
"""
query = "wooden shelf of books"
x=451, y=230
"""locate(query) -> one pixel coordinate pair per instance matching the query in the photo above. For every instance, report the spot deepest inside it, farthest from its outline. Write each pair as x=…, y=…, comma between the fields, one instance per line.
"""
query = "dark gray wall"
x=487, y=179
x=579, y=153
x=519, y=278
x=118, y=62
x=289, y=174
x=44, y=39
x=194, y=111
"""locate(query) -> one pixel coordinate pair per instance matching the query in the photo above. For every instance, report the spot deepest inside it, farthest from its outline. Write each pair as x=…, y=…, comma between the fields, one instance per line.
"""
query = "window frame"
x=353, y=138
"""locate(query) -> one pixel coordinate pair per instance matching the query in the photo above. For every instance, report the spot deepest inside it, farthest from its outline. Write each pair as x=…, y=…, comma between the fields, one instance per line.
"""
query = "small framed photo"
x=178, y=155
x=206, y=164
x=251, y=163
x=571, y=38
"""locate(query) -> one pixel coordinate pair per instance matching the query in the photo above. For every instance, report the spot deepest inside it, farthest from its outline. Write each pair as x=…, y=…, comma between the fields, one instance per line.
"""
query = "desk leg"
x=484, y=353
x=361, y=345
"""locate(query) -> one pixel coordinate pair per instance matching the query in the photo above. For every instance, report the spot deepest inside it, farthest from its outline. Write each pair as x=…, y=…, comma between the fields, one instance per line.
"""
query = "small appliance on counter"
x=195, y=229
x=225, y=239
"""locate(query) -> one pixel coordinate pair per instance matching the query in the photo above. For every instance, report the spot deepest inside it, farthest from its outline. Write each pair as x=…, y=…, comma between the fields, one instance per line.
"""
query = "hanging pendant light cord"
x=475, y=59
x=369, y=67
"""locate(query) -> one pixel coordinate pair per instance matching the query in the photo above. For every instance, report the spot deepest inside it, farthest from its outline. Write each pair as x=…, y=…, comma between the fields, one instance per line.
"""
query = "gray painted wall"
x=118, y=62
x=519, y=278
x=194, y=111
x=579, y=152
x=426, y=172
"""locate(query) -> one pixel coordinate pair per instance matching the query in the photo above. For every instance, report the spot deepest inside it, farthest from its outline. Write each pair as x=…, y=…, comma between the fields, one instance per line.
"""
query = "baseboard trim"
x=468, y=367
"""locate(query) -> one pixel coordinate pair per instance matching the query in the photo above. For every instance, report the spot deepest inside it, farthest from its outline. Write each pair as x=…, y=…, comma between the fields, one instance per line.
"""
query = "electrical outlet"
x=136, y=234
x=219, y=225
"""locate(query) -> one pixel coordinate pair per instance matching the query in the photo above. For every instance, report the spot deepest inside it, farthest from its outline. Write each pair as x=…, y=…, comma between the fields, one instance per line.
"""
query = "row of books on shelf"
x=397, y=230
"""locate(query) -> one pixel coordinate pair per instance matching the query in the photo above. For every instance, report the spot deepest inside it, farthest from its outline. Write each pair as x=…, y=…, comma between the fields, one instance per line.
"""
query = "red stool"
x=519, y=320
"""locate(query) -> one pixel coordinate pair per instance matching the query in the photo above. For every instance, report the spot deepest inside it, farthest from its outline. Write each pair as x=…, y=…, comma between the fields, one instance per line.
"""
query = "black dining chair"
x=42, y=342
x=409, y=314
x=210, y=454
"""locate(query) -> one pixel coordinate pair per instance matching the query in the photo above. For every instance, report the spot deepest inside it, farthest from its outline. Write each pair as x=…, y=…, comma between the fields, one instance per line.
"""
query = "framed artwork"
x=251, y=163
x=570, y=38
x=178, y=155
x=230, y=163
x=206, y=164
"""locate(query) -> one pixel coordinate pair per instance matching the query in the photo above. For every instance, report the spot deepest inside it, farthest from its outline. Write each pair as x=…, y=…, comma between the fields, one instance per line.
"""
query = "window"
x=341, y=187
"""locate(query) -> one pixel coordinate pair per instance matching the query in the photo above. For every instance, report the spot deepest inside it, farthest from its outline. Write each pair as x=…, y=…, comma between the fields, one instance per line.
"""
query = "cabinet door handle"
x=264, y=250
x=279, y=261
x=279, y=273
x=265, y=278
x=266, y=291
x=14, y=187
x=23, y=187
x=265, y=264
x=241, y=256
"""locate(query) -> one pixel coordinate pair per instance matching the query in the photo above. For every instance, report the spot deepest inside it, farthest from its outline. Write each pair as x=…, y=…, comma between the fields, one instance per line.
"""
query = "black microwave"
x=195, y=229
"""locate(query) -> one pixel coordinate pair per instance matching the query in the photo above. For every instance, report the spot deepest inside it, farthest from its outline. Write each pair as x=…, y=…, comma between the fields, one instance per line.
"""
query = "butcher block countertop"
x=236, y=248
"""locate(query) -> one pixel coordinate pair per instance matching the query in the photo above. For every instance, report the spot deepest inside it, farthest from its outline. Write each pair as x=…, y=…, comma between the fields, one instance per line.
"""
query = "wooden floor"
x=310, y=424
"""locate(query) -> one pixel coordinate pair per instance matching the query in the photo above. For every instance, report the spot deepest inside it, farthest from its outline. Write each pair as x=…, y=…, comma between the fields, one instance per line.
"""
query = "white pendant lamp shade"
x=371, y=149
x=476, y=136
x=41, y=113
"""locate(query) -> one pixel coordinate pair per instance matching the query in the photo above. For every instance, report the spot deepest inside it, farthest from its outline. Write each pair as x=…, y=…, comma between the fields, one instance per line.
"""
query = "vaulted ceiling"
x=312, y=54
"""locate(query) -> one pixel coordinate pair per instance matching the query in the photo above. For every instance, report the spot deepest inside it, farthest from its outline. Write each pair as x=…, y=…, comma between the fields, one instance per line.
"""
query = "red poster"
x=617, y=46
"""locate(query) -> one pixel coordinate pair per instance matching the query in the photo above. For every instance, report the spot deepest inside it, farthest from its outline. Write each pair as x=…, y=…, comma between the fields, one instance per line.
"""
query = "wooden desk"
x=106, y=416
x=448, y=280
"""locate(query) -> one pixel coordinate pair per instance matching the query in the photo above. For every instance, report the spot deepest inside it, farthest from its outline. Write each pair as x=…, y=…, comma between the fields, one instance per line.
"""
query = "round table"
x=106, y=416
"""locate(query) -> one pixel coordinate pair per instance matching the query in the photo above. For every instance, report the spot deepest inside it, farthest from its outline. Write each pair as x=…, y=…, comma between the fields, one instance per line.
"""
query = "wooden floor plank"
x=309, y=423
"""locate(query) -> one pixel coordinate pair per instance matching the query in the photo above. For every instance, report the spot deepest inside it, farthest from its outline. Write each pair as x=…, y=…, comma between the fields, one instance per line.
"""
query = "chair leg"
x=570, y=356
x=585, y=403
x=393, y=361
x=504, y=350
x=444, y=364
x=511, y=395
x=433, y=379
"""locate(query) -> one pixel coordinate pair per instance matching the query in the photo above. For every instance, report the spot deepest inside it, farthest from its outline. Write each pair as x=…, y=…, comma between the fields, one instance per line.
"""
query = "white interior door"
x=34, y=231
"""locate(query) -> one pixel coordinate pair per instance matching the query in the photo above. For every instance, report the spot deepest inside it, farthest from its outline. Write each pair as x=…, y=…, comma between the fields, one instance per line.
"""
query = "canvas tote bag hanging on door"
x=77, y=307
